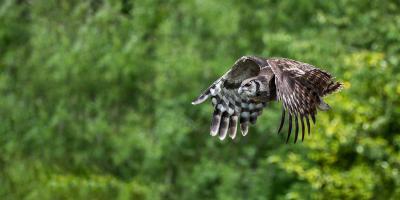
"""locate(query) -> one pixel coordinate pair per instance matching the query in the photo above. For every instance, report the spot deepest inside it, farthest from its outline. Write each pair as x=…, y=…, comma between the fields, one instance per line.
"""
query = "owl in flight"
x=244, y=91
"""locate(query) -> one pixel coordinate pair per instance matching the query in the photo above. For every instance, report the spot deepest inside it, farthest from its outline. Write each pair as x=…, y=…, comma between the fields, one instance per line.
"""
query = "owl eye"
x=247, y=84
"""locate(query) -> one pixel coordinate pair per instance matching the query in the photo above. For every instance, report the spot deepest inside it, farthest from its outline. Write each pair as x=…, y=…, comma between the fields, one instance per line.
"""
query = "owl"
x=241, y=94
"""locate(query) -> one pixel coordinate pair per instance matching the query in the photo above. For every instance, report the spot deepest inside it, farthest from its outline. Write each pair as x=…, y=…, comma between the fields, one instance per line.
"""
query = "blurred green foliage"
x=95, y=100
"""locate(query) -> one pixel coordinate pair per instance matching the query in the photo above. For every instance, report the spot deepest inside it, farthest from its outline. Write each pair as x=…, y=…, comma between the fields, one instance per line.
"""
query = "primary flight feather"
x=241, y=94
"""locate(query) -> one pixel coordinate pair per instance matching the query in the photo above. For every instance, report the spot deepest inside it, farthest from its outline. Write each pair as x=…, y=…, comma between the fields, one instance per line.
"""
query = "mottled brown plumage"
x=242, y=93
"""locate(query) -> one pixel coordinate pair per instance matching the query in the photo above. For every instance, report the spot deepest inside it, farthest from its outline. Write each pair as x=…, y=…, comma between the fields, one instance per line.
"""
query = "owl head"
x=249, y=87
x=257, y=87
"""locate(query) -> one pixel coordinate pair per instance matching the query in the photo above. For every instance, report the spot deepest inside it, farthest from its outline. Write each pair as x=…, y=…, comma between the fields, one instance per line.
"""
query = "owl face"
x=249, y=88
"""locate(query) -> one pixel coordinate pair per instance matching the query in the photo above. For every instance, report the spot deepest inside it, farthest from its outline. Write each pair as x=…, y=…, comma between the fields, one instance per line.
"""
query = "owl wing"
x=229, y=106
x=300, y=87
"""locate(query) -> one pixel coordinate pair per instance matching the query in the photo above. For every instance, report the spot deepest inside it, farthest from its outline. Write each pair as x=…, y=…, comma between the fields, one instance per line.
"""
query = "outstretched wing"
x=300, y=87
x=229, y=106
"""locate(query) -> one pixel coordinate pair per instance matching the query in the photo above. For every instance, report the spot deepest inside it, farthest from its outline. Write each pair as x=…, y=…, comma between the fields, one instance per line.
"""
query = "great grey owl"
x=241, y=94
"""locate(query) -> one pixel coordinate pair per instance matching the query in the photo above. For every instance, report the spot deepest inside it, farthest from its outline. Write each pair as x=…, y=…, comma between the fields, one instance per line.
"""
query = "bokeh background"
x=95, y=100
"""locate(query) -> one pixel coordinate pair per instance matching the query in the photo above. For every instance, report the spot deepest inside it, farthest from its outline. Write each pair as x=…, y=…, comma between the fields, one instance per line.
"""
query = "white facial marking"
x=248, y=88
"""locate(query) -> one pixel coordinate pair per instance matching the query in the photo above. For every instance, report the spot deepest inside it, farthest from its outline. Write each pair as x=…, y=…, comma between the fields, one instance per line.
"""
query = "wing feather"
x=297, y=128
x=302, y=127
x=229, y=106
x=282, y=121
x=233, y=126
x=300, y=88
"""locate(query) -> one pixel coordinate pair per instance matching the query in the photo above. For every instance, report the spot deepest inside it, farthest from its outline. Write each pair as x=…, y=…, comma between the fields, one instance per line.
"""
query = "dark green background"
x=95, y=100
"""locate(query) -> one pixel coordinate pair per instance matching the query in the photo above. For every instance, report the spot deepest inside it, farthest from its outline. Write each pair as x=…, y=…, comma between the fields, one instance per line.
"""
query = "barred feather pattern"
x=300, y=101
x=323, y=81
x=300, y=87
x=230, y=109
